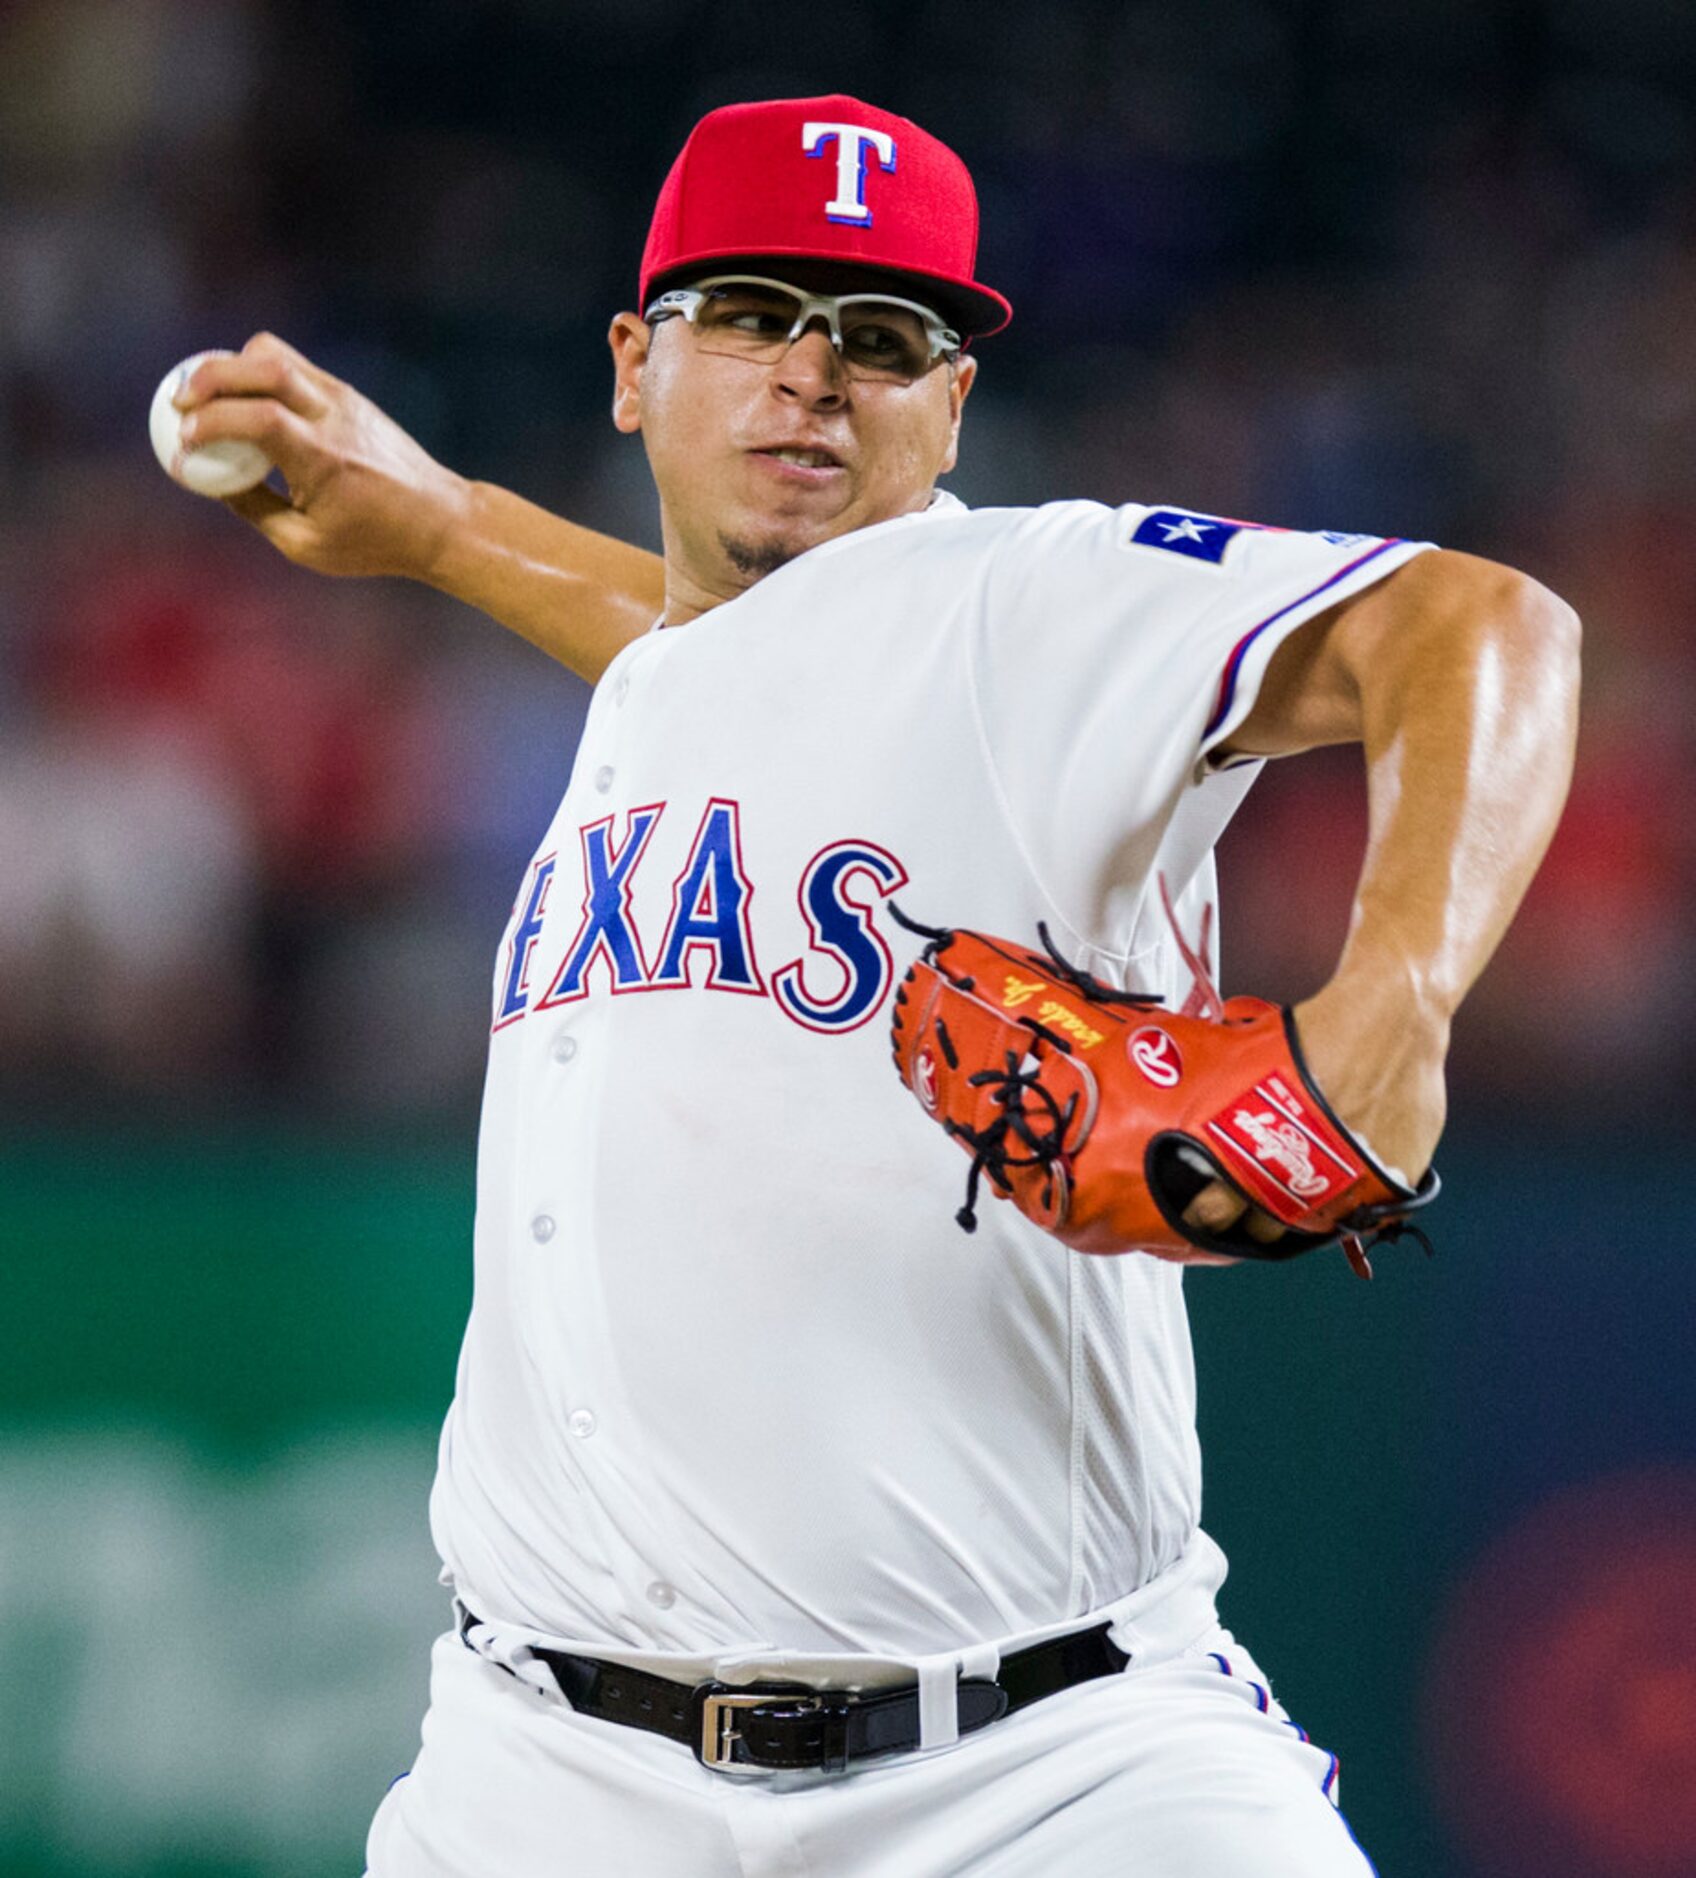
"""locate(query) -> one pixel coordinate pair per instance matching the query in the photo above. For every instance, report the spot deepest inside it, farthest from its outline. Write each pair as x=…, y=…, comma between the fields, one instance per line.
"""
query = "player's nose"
x=812, y=371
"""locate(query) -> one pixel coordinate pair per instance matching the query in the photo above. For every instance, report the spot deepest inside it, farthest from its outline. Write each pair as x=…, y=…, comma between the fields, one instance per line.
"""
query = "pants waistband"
x=1156, y=1621
x=774, y=1728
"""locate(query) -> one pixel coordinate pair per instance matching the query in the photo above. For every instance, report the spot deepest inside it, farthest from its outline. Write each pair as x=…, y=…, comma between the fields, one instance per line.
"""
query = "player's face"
x=722, y=433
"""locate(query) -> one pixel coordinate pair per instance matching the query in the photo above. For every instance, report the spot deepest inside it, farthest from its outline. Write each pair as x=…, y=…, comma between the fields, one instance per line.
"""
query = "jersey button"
x=582, y=1423
x=603, y=778
x=565, y=1047
x=662, y=1594
x=542, y=1228
x=621, y=690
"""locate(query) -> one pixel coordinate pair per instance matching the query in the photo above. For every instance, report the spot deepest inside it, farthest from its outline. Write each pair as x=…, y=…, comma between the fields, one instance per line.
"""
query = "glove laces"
x=1358, y=1249
x=1029, y=1116
x=990, y=1145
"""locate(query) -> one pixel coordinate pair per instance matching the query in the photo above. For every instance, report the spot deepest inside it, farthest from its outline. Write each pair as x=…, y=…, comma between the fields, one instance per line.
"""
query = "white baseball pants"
x=1183, y=1768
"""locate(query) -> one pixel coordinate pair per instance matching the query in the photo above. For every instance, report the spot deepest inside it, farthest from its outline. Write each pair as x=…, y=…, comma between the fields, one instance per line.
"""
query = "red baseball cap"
x=826, y=179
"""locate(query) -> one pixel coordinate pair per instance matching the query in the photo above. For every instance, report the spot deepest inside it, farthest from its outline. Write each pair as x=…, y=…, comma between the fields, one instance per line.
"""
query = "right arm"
x=579, y=595
x=365, y=498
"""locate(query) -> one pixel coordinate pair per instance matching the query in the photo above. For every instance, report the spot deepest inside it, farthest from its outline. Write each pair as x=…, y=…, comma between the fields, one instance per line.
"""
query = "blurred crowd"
x=1426, y=270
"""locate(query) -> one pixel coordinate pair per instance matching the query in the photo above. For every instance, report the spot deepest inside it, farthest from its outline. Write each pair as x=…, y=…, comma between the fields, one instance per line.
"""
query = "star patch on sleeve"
x=1201, y=537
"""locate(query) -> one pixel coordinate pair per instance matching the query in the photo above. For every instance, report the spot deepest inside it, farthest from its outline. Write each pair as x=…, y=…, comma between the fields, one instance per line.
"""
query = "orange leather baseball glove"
x=1101, y=1117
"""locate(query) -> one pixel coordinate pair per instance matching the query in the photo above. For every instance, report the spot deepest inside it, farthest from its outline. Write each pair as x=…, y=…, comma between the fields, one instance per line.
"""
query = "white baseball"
x=214, y=469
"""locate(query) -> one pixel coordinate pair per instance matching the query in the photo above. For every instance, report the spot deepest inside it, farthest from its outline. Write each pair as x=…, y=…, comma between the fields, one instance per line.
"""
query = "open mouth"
x=802, y=459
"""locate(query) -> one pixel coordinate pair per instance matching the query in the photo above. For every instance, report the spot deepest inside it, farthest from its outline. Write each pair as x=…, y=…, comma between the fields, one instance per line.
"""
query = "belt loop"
x=980, y=1660
x=835, y=1752
x=505, y=1651
x=939, y=1707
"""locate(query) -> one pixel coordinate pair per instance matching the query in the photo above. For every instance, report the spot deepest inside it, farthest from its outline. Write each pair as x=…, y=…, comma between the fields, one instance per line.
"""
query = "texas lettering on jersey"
x=835, y=984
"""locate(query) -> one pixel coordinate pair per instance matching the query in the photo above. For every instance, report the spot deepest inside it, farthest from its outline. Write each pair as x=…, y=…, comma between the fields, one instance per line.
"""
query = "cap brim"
x=973, y=310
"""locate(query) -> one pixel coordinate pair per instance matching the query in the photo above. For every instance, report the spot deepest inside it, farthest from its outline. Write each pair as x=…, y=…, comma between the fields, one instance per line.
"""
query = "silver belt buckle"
x=719, y=1709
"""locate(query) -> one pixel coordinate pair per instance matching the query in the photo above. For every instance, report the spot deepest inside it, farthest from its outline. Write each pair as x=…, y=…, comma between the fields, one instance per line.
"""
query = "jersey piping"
x=1233, y=664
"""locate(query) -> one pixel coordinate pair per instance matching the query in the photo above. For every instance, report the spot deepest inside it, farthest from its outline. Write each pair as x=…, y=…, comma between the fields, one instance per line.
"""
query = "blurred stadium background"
x=1425, y=269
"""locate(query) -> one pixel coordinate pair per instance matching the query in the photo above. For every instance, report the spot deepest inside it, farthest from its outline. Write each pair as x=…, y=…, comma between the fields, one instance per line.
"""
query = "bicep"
x=1308, y=696
x=1311, y=693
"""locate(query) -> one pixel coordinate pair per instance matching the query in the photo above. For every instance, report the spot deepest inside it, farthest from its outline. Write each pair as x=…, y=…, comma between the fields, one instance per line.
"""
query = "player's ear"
x=960, y=380
x=629, y=338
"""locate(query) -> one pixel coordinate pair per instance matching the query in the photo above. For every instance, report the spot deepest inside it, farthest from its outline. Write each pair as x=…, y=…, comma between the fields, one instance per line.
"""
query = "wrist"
x=1376, y=1048
x=1379, y=1018
x=459, y=546
x=1390, y=984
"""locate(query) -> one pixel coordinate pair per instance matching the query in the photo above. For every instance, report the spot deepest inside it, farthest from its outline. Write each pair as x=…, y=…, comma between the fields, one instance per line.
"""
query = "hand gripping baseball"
x=363, y=496
x=1101, y=1116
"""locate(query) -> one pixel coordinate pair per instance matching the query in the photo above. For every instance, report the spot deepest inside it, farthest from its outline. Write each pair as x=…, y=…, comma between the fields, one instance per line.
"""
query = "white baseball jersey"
x=734, y=1379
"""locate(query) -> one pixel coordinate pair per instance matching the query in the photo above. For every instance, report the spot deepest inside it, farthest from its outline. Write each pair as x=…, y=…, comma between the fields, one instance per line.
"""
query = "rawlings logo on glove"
x=1102, y=1117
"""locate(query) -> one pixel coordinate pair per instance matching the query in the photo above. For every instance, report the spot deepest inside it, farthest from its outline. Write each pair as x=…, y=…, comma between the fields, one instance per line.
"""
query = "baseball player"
x=789, y=1528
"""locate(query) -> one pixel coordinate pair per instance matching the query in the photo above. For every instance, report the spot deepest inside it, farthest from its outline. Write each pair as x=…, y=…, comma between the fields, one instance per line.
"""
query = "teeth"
x=807, y=459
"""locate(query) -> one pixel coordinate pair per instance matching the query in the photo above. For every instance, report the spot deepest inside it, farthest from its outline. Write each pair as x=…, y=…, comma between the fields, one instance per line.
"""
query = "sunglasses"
x=878, y=336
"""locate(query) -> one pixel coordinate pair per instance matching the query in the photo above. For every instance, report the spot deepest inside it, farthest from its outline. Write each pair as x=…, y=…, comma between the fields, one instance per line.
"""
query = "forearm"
x=1460, y=679
x=1468, y=709
x=578, y=595
x=364, y=497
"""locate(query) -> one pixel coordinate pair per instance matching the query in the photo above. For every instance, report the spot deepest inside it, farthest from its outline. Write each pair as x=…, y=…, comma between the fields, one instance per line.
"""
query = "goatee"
x=755, y=559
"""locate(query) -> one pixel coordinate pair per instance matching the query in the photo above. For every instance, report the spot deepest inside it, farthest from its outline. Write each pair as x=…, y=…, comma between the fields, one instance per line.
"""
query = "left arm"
x=1460, y=678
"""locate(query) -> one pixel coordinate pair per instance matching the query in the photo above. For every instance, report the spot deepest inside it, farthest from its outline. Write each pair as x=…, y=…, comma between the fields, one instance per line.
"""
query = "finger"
x=277, y=519
x=1262, y=1226
x=259, y=377
x=260, y=505
x=268, y=345
x=270, y=342
x=1215, y=1209
x=255, y=373
x=282, y=434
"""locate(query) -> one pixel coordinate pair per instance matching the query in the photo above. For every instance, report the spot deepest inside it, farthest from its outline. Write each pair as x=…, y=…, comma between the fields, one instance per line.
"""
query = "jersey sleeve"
x=1284, y=579
x=1117, y=652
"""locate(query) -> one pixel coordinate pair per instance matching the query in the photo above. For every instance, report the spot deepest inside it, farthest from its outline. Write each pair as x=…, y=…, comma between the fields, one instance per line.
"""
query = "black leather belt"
x=783, y=1724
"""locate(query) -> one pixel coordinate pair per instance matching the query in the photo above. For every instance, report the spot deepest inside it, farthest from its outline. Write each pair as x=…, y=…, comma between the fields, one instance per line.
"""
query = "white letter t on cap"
x=852, y=142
